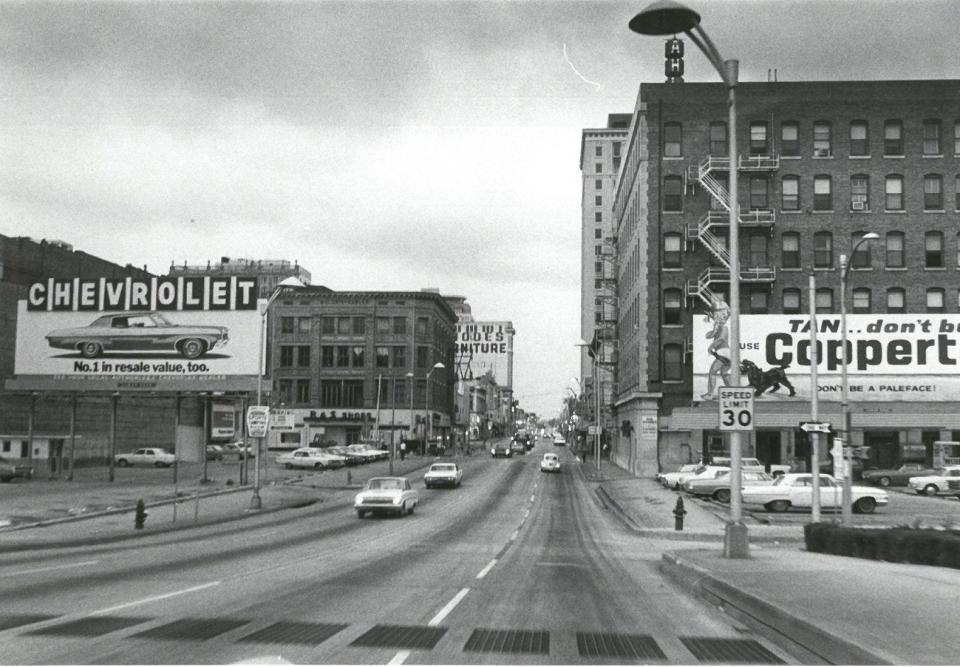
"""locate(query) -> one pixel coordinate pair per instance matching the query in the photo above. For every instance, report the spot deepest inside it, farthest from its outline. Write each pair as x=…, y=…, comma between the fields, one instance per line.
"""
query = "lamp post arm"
x=705, y=44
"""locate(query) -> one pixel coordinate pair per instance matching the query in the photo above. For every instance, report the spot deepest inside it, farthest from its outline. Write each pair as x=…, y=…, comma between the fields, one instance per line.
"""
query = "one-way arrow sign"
x=815, y=427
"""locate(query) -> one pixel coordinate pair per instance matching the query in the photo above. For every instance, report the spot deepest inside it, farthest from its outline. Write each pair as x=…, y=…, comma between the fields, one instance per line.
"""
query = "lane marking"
x=154, y=598
x=515, y=535
x=56, y=567
x=442, y=614
x=487, y=569
x=399, y=658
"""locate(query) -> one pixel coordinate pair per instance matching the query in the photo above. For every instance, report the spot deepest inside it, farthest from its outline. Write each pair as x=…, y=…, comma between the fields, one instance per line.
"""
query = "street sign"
x=592, y=430
x=736, y=408
x=815, y=427
x=258, y=418
x=282, y=420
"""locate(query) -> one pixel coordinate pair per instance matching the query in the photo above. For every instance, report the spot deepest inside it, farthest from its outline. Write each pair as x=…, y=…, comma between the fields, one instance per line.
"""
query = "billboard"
x=485, y=347
x=891, y=357
x=180, y=333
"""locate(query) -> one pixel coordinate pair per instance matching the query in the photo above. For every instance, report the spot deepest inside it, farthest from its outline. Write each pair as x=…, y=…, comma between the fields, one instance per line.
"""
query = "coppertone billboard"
x=912, y=357
x=161, y=334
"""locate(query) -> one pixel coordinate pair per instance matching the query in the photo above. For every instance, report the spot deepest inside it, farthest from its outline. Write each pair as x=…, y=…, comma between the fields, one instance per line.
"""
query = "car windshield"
x=385, y=484
x=443, y=467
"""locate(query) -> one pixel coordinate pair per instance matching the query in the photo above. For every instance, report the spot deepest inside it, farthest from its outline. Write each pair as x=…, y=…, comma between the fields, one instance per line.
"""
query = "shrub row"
x=923, y=546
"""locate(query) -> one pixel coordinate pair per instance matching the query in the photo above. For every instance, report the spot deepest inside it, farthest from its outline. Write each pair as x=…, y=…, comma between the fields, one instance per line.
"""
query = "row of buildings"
x=339, y=366
x=821, y=165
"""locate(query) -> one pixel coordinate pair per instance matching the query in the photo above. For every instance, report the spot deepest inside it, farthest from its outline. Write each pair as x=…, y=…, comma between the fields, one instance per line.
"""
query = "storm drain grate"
x=196, y=629
x=607, y=645
x=8, y=621
x=509, y=641
x=310, y=634
x=92, y=626
x=400, y=636
x=713, y=649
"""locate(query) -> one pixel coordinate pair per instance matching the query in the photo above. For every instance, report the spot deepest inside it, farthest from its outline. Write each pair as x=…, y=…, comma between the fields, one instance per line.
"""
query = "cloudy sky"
x=383, y=145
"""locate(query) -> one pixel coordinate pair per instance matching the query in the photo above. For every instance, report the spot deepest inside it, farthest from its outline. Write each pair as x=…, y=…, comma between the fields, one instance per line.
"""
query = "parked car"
x=705, y=473
x=897, y=476
x=310, y=457
x=674, y=480
x=214, y=453
x=367, y=455
x=10, y=471
x=550, y=463
x=443, y=473
x=718, y=487
x=392, y=495
x=144, y=331
x=753, y=465
x=795, y=490
x=351, y=458
x=151, y=456
x=239, y=449
x=559, y=440
x=944, y=482
x=501, y=448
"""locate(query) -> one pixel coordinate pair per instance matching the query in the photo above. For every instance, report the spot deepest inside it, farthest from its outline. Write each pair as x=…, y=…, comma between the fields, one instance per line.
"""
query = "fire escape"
x=606, y=328
x=705, y=231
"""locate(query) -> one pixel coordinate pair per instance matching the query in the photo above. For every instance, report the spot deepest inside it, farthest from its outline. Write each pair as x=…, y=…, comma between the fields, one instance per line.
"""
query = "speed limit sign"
x=736, y=408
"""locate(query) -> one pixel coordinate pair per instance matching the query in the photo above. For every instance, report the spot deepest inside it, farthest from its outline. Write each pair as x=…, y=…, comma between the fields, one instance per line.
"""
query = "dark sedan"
x=897, y=476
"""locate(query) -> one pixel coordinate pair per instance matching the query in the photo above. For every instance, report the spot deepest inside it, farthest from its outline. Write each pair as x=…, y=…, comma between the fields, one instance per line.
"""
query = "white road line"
x=399, y=658
x=515, y=535
x=55, y=567
x=154, y=598
x=533, y=497
x=436, y=620
x=487, y=569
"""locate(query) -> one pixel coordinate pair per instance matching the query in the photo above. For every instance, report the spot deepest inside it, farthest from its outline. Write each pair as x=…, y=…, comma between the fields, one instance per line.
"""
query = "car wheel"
x=288, y=466
x=722, y=495
x=193, y=348
x=930, y=490
x=778, y=505
x=318, y=466
x=412, y=507
x=123, y=463
x=426, y=485
x=865, y=505
x=91, y=349
x=884, y=481
x=159, y=464
x=361, y=514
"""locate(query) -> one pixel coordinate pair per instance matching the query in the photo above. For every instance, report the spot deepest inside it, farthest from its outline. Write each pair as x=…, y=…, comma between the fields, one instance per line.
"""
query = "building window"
x=893, y=138
x=896, y=300
x=598, y=233
x=352, y=394
x=671, y=250
x=861, y=259
x=822, y=139
x=598, y=267
x=598, y=184
x=791, y=301
x=822, y=193
x=598, y=151
x=598, y=216
x=861, y=300
x=287, y=325
x=672, y=302
x=824, y=300
x=357, y=357
x=935, y=301
x=933, y=246
x=933, y=192
x=895, y=255
x=326, y=356
x=598, y=250
x=859, y=140
x=383, y=325
x=823, y=250
x=790, y=193
x=285, y=391
x=423, y=355
x=859, y=192
x=598, y=168
x=759, y=193
x=303, y=325
x=423, y=324
x=672, y=193
x=303, y=356
x=790, y=139
x=894, y=193
x=672, y=362
x=597, y=284
x=931, y=137
x=344, y=325
x=383, y=356
x=303, y=391
x=759, y=301
x=286, y=356
x=790, y=250
x=718, y=139
x=327, y=325
x=672, y=140
x=759, y=138
x=343, y=356
x=598, y=200
x=399, y=325
x=399, y=356
x=758, y=251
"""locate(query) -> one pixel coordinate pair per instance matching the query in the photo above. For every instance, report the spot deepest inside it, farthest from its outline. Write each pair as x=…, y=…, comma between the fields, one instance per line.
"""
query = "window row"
x=349, y=393
x=820, y=140
x=354, y=356
x=821, y=197
x=353, y=325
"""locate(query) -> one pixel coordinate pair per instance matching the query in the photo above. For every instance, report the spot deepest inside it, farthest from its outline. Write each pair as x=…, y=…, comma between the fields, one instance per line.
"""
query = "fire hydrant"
x=140, y=515
x=678, y=513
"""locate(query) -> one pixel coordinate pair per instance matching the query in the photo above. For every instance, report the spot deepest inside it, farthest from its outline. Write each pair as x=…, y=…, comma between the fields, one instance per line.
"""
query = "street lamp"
x=426, y=408
x=666, y=17
x=596, y=396
x=846, y=510
x=255, y=502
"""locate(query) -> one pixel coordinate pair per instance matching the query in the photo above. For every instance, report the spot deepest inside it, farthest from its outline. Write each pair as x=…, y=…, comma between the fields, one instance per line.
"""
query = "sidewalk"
x=821, y=608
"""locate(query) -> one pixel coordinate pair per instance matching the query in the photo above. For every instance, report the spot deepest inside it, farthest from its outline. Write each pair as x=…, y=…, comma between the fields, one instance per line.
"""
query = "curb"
x=797, y=636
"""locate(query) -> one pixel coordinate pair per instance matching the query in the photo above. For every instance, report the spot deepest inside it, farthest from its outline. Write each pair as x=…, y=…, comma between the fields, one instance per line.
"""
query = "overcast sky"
x=383, y=145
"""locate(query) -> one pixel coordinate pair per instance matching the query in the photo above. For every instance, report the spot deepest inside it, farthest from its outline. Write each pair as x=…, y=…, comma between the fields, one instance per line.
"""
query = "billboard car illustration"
x=138, y=332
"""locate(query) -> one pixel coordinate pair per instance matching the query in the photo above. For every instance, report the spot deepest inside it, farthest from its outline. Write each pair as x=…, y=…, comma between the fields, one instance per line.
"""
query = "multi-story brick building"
x=268, y=272
x=821, y=164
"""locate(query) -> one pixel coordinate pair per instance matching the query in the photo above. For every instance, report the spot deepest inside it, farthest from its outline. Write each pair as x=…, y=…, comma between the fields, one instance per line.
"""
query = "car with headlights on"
x=443, y=473
x=718, y=487
x=944, y=482
x=795, y=490
x=550, y=463
x=501, y=448
x=386, y=495
x=518, y=446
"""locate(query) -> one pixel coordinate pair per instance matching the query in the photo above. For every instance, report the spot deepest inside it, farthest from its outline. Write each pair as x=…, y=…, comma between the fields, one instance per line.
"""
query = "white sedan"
x=392, y=495
x=945, y=483
x=675, y=480
x=310, y=457
x=796, y=490
x=443, y=474
x=550, y=463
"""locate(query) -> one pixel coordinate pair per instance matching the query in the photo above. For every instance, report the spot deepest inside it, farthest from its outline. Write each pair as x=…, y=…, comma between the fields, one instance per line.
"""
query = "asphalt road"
x=513, y=567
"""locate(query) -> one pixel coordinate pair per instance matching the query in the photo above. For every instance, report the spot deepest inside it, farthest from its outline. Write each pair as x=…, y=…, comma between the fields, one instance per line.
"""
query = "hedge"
x=901, y=544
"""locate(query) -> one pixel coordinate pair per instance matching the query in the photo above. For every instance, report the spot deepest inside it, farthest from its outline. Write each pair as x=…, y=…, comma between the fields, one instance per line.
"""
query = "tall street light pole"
x=666, y=17
x=256, y=502
x=428, y=432
x=846, y=509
